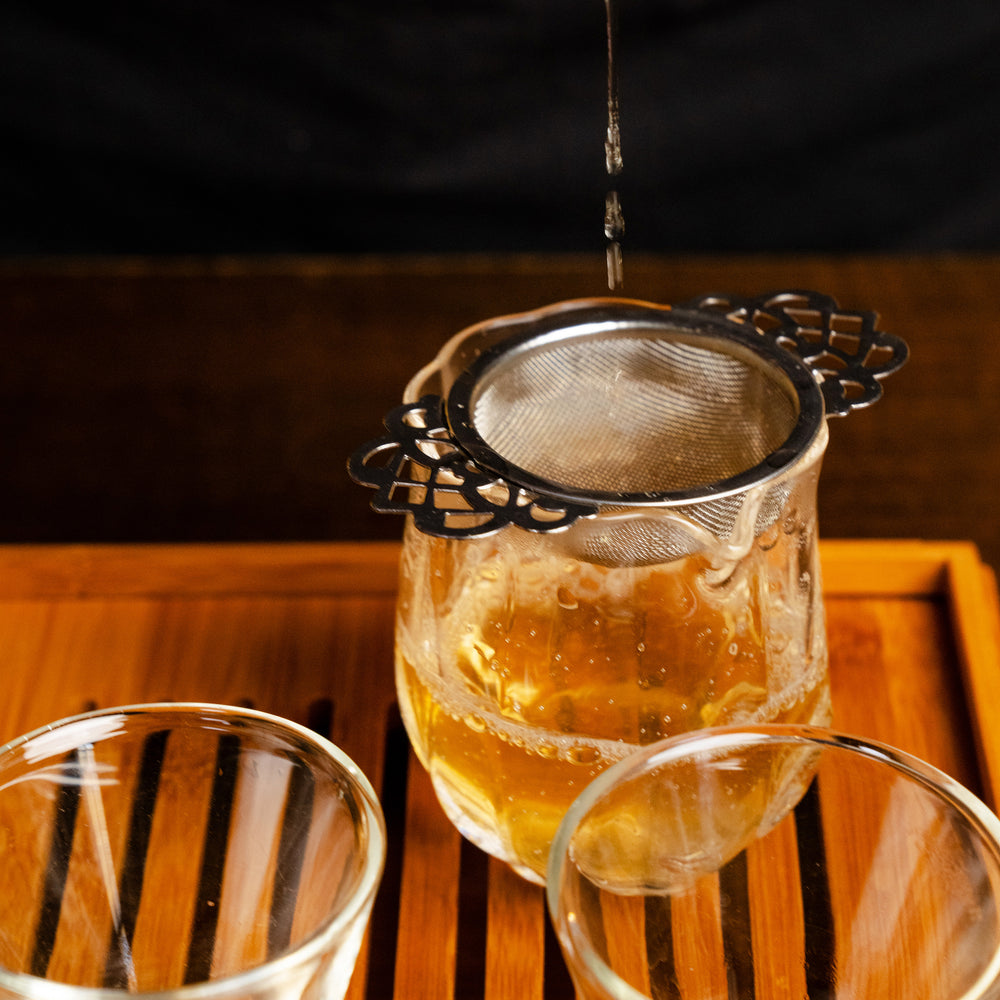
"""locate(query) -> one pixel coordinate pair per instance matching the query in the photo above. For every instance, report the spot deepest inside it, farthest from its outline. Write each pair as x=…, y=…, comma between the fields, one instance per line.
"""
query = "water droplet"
x=583, y=754
x=616, y=266
x=476, y=723
x=567, y=599
x=613, y=145
x=614, y=219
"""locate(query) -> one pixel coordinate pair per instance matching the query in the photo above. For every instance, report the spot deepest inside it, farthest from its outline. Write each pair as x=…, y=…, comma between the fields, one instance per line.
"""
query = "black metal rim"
x=622, y=320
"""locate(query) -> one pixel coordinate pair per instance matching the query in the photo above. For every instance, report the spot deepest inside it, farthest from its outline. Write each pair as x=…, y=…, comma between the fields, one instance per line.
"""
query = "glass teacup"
x=777, y=861
x=193, y=851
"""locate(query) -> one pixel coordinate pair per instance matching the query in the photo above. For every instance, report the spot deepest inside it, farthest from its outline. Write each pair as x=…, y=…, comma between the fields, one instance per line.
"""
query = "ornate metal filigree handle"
x=417, y=469
x=841, y=346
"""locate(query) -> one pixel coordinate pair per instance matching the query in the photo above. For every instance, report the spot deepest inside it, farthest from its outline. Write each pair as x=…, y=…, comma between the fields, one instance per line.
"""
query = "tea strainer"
x=601, y=405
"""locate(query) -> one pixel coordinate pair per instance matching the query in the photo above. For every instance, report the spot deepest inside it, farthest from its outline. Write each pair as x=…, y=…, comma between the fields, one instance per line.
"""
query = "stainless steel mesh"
x=642, y=412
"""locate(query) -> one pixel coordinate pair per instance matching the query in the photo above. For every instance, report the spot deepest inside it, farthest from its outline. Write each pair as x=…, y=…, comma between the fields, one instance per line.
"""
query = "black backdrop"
x=176, y=126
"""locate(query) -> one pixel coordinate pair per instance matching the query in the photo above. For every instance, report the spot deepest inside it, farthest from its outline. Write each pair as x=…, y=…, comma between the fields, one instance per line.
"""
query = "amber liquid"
x=523, y=672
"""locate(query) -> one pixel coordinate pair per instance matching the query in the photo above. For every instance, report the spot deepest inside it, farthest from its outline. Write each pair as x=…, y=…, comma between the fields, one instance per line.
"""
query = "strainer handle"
x=844, y=348
x=418, y=469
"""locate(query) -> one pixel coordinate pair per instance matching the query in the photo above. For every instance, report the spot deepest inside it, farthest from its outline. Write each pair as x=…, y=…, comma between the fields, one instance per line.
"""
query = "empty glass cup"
x=780, y=862
x=198, y=850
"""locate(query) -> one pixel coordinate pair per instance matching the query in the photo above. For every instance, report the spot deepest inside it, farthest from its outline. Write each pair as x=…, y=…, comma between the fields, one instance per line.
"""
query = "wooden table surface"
x=216, y=400
x=305, y=631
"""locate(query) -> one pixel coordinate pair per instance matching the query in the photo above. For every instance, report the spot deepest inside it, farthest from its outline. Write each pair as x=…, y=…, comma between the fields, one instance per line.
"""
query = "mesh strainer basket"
x=594, y=409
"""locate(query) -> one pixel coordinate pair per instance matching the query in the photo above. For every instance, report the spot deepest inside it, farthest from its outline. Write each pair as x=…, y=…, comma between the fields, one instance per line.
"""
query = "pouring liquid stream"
x=614, y=220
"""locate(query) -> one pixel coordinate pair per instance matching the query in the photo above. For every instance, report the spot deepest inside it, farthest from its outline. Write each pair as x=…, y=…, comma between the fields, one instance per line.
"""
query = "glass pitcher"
x=610, y=539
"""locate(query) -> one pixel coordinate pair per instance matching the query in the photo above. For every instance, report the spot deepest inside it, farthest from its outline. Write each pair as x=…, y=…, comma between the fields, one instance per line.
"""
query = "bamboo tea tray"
x=305, y=631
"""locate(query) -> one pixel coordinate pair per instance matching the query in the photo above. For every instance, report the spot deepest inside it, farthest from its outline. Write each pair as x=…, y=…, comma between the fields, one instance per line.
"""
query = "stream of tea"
x=614, y=220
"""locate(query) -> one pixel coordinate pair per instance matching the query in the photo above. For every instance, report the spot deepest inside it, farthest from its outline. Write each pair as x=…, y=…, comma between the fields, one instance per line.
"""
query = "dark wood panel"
x=219, y=399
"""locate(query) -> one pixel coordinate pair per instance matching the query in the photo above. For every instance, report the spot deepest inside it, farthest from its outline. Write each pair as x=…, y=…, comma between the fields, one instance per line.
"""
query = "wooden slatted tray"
x=305, y=631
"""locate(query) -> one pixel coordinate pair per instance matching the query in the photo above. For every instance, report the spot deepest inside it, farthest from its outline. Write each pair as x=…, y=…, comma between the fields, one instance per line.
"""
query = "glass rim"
x=721, y=738
x=27, y=985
